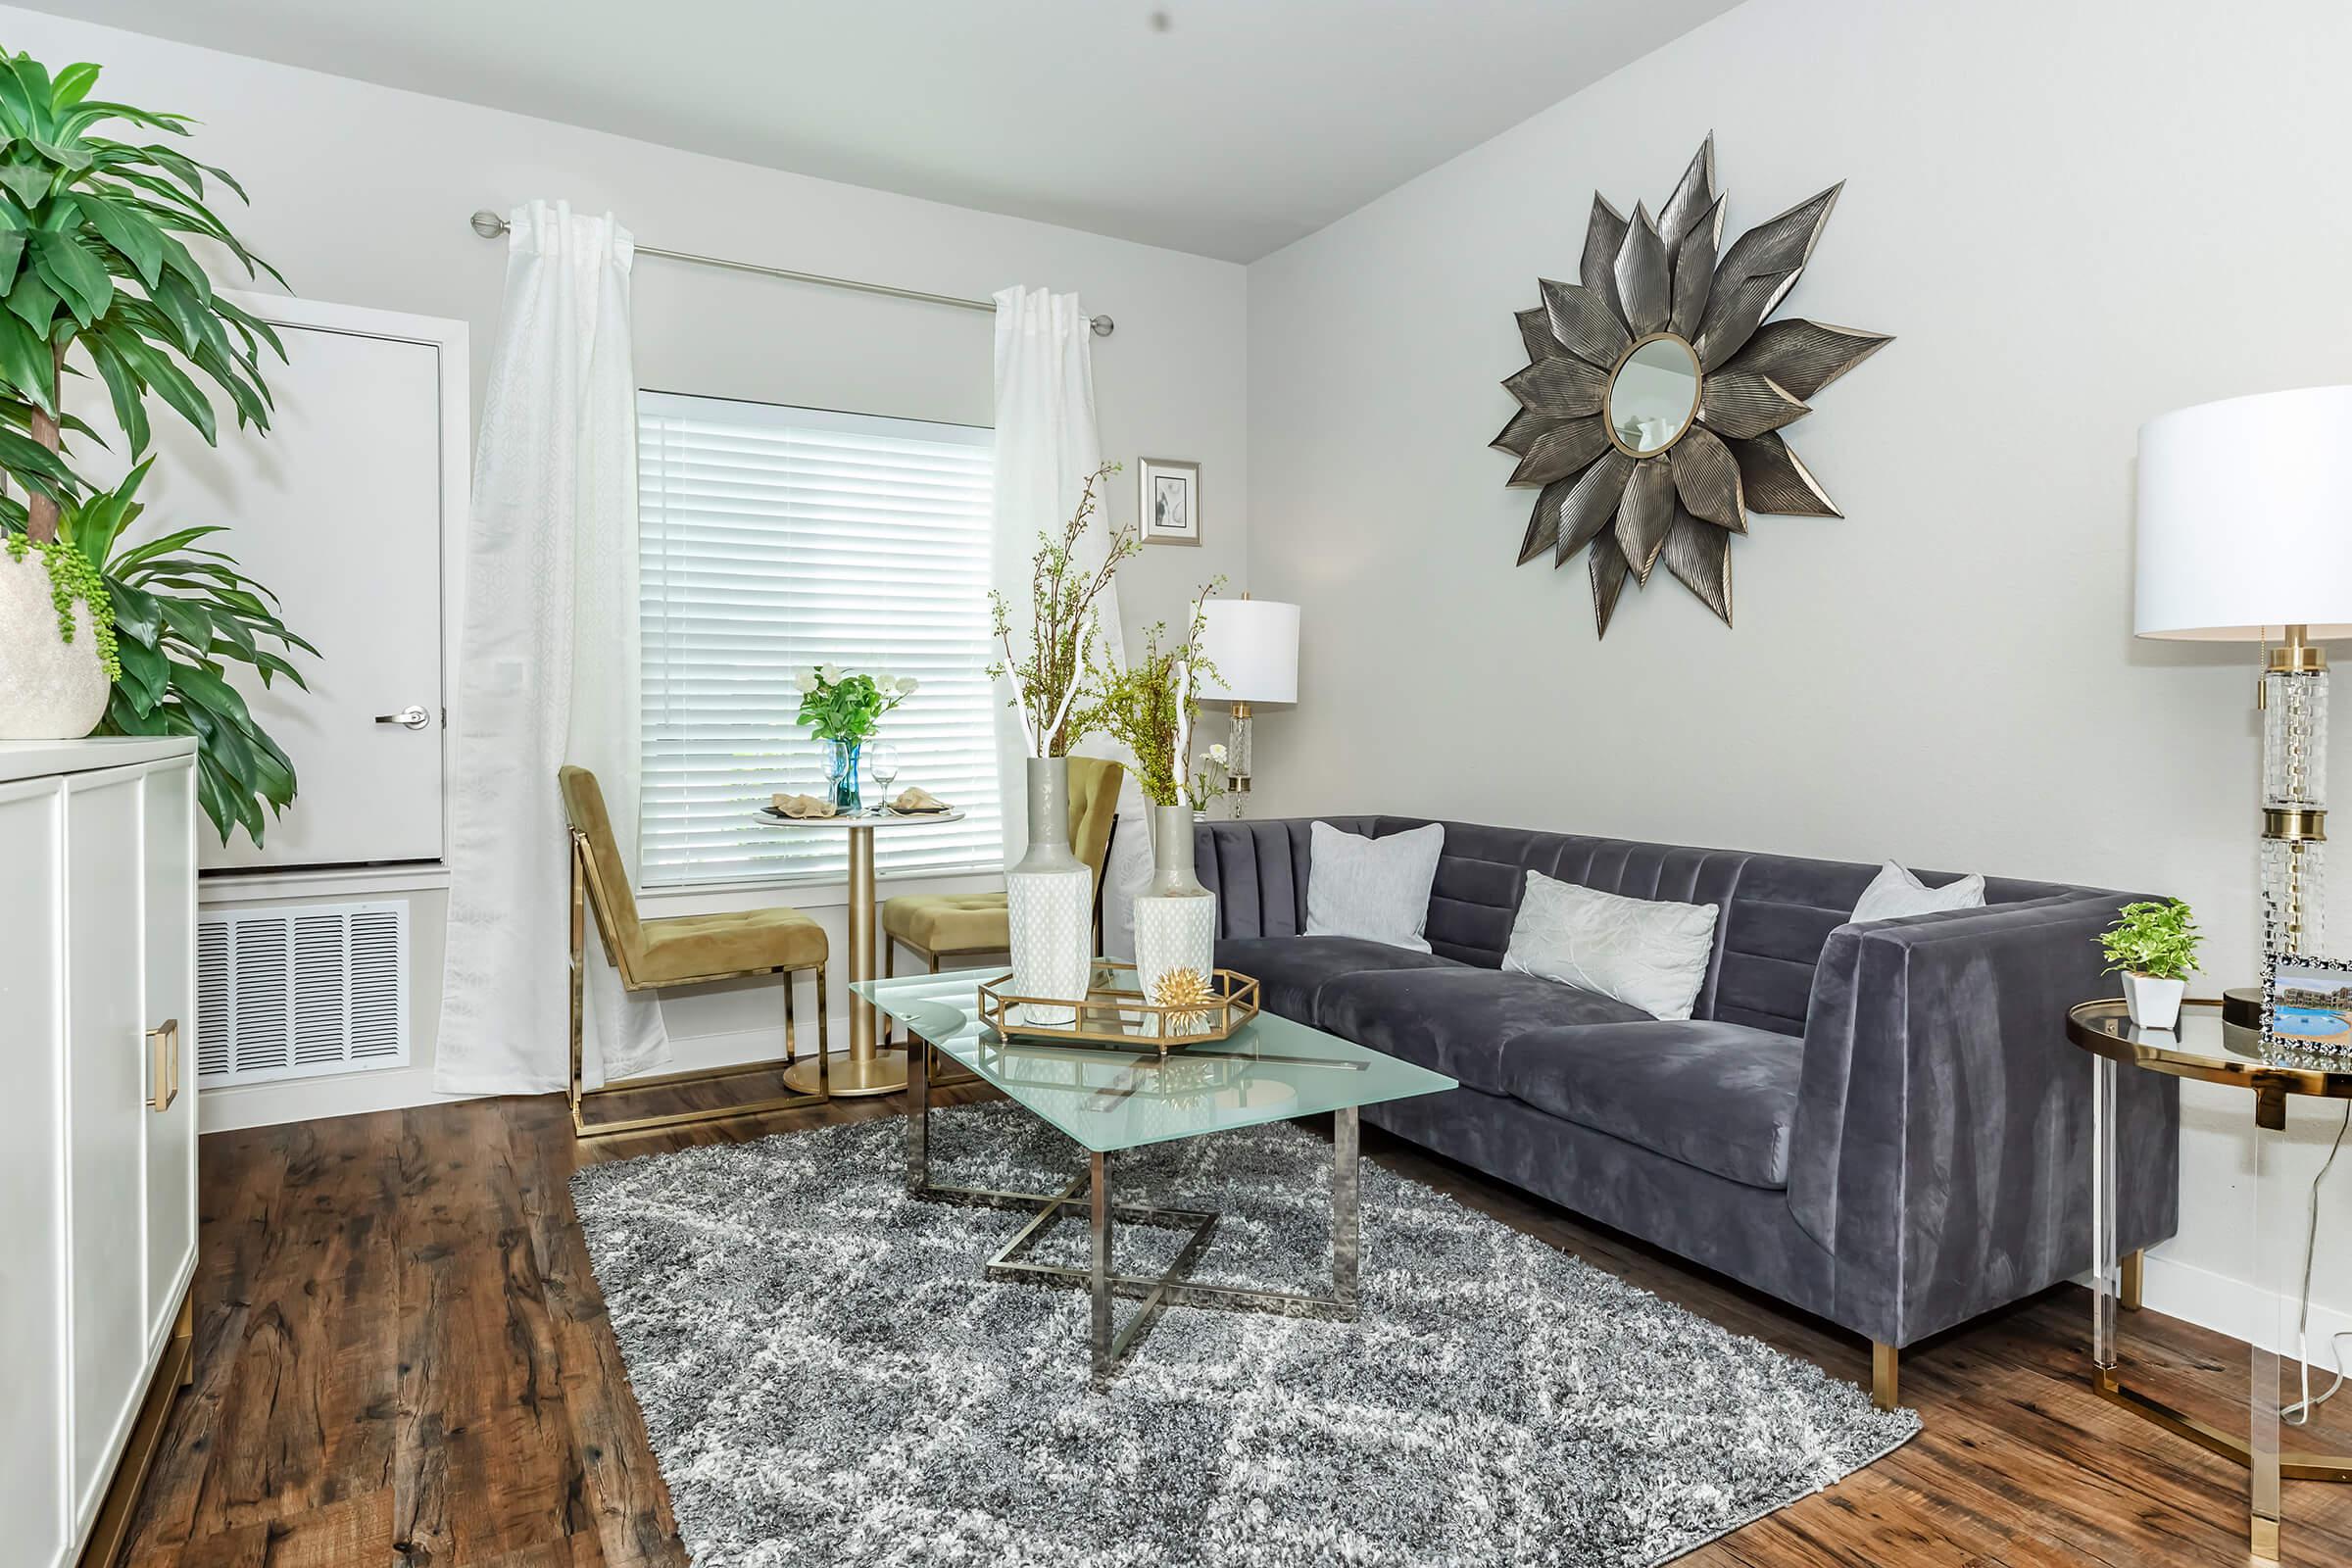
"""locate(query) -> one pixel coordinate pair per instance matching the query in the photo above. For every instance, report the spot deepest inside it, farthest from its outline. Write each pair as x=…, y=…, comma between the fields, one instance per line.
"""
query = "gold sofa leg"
x=2132, y=1261
x=1883, y=1375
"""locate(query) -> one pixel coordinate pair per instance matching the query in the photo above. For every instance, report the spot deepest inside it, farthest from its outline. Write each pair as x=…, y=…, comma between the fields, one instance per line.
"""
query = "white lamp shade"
x=1255, y=645
x=2245, y=518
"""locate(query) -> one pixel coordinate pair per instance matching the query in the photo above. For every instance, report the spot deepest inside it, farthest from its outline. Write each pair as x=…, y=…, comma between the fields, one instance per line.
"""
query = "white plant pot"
x=1049, y=902
x=1175, y=916
x=2153, y=1003
x=50, y=689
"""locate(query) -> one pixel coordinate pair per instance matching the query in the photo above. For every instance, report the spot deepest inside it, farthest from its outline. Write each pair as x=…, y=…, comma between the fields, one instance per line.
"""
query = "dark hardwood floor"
x=402, y=1360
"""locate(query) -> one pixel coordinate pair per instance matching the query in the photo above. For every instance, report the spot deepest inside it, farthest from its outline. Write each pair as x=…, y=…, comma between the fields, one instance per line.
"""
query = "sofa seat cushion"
x=1292, y=971
x=1456, y=1020
x=1717, y=1096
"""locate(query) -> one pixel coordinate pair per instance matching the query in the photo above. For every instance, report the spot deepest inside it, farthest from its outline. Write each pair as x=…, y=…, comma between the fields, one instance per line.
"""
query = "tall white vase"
x=1175, y=916
x=1049, y=898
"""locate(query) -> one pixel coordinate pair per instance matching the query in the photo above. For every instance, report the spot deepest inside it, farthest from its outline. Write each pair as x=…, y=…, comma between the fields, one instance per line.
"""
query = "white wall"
x=361, y=195
x=2074, y=217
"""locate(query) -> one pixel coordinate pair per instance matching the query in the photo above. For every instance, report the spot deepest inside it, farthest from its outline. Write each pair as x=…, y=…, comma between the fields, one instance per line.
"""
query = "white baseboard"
x=2238, y=1307
x=355, y=1094
x=349, y=1094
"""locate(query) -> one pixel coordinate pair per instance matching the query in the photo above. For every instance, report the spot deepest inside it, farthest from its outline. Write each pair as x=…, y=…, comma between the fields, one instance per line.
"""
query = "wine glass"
x=882, y=762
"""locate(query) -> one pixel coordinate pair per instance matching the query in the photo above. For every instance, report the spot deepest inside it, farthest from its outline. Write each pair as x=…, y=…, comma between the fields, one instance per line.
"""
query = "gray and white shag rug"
x=828, y=1380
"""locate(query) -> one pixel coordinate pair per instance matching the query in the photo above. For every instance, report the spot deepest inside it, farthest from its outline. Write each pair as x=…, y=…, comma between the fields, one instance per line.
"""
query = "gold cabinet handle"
x=162, y=1062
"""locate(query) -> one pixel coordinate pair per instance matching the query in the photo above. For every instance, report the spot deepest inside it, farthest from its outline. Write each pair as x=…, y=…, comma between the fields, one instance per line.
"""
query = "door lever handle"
x=409, y=717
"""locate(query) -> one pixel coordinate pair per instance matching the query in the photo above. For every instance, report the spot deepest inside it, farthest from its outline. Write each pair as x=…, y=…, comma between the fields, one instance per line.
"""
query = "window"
x=774, y=538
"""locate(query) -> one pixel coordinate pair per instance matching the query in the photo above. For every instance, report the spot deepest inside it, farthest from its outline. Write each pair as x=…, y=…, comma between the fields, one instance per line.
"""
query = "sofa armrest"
x=1259, y=871
x=1941, y=1145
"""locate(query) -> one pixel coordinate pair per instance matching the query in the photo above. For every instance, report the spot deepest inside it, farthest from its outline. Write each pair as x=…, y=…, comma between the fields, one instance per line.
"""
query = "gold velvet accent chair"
x=936, y=926
x=674, y=950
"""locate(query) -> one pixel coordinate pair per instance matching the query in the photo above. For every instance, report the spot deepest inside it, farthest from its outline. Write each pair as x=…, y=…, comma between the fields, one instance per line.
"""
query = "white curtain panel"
x=1047, y=444
x=547, y=666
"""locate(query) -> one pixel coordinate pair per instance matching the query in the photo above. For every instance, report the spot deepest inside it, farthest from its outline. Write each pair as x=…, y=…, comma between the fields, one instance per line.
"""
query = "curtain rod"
x=490, y=225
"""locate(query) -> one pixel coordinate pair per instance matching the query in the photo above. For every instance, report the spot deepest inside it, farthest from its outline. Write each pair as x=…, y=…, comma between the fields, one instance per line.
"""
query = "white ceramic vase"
x=1050, y=900
x=2153, y=1003
x=1175, y=916
x=50, y=689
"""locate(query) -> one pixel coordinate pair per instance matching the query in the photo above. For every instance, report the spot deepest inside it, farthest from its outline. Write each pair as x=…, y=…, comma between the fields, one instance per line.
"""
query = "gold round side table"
x=2211, y=1048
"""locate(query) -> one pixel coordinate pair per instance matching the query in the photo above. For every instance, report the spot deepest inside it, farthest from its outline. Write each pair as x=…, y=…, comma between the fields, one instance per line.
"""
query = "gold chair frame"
x=588, y=889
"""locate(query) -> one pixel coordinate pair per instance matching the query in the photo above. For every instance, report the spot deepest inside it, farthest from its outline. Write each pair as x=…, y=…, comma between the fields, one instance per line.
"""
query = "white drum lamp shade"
x=1253, y=643
x=2245, y=535
x=2245, y=518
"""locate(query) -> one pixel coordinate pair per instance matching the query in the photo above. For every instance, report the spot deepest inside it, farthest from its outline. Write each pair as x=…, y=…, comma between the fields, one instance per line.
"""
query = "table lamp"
x=1253, y=643
x=2245, y=535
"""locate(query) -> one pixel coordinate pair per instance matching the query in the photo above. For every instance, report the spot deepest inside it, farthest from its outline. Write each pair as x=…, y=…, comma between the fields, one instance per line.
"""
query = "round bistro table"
x=2210, y=1048
x=861, y=1070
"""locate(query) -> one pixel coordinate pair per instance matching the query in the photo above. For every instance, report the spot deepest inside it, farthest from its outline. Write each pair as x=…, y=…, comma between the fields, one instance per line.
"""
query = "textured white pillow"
x=1377, y=889
x=1894, y=893
x=1646, y=952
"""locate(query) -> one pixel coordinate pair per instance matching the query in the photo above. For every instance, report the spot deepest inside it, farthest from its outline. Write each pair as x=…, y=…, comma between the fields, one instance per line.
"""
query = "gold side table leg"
x=866, y=1069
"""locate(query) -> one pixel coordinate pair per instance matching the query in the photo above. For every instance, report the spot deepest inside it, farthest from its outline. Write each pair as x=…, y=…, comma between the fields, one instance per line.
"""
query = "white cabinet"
x=98, y=1173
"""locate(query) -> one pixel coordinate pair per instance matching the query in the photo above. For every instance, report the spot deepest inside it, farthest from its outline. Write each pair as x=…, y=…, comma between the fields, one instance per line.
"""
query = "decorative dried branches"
x=1063, y=628
x=1149, y=706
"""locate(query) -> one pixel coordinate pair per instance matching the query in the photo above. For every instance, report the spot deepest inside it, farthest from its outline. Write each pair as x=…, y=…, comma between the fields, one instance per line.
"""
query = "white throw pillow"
x=1894, y=893
x=1646, y=952
x=1377, y=889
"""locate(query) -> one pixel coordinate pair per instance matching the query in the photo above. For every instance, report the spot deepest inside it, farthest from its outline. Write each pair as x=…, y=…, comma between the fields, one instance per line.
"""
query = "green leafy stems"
x=181, y=612
x=92, y=257
x=840, y=705
x=2150, y=938
x=95, y=263
x=1063, y=628
x=1149, y=707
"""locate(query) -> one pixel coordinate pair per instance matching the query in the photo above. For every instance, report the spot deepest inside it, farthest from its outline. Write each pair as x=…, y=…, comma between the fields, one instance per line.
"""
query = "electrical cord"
x=2299, y=1414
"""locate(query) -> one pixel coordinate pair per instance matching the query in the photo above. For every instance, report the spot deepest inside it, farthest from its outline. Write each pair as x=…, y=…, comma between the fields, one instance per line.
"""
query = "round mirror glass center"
x=1653, y=395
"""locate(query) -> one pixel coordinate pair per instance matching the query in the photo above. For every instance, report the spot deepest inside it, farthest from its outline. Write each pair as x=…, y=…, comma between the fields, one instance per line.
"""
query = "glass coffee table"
x=1108, y=1099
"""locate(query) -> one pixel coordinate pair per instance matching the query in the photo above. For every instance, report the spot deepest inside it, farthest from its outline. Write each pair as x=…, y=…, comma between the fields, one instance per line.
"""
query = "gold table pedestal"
x=866, y=1067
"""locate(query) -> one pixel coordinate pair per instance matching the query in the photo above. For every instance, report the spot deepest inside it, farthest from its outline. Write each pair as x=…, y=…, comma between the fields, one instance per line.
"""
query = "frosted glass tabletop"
x=1270, y=1069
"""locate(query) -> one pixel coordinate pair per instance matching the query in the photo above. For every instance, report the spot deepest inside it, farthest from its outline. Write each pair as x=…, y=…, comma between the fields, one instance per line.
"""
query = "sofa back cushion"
x=1778, y=910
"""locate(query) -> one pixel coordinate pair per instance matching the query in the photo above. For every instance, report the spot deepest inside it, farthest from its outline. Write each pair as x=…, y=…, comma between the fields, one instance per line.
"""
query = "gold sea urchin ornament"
x=1654, y=391
x=1184, y=989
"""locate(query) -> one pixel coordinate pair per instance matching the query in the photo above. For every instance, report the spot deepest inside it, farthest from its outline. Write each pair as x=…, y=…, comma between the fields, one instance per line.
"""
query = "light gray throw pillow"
x=1894, y=893
x=1646, y=952
x=1377, y=889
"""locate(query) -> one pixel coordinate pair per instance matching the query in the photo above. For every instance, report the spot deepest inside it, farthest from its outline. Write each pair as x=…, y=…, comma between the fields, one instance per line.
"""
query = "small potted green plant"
x=843, y=708
x=2153, y=946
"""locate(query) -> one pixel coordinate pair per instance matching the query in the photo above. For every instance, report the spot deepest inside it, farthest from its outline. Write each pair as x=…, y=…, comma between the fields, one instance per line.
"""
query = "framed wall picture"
x=1169, y=500
x=2307, y=1004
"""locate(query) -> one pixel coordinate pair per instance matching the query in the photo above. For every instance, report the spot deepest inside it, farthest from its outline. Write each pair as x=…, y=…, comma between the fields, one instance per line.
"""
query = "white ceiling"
x=1239, y=128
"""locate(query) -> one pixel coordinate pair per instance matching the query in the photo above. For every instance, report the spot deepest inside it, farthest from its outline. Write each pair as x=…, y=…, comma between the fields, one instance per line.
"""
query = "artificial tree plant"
x=95, y=278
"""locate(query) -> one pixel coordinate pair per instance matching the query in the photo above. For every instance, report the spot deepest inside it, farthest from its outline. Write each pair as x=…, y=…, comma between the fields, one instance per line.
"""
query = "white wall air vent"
x=300, y=990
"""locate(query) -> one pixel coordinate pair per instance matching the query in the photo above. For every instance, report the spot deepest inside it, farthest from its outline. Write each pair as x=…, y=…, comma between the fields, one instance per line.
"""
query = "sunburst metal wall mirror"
x=1650, y=408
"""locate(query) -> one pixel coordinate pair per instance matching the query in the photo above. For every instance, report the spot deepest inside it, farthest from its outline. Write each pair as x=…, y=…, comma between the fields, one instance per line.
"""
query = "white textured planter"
x=50, y=689
x=1175, y=916
x=2153, y=1003
x=1049, y=900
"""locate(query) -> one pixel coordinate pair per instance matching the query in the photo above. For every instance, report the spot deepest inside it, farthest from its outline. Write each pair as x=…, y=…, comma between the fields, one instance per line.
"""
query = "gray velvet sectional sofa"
x=1882, y=1125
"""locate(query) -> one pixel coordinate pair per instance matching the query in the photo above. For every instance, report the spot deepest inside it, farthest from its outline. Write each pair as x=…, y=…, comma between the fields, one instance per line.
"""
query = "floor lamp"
x=1253, y=643
x=2245, y=535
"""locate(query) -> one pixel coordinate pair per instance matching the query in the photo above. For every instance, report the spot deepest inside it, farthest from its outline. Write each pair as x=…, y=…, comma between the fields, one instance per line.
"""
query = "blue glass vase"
x=841, y=774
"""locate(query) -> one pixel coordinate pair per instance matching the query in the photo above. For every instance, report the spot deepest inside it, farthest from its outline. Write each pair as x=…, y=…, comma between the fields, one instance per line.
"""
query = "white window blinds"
x=774, y=538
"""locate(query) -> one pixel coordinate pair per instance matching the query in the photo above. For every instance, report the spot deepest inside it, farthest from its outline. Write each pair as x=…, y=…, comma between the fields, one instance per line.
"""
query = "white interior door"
x=342, y=509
